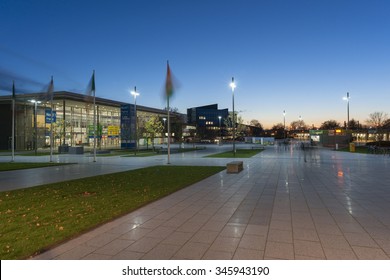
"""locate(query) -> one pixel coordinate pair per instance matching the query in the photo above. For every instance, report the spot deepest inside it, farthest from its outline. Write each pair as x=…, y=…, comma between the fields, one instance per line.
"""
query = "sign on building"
x=48, y=116
x=99, y=131
x=113, y=131
x=127, y=126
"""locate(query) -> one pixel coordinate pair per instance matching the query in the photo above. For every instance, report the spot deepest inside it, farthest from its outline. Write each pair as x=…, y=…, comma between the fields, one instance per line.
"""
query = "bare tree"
x=353, y=124
x=278, y=126
x=330, y=124
x=278, y=131
x=377, y=119
x=386, y=124
x=256, y=123
x=299, y=124
x=241, y=129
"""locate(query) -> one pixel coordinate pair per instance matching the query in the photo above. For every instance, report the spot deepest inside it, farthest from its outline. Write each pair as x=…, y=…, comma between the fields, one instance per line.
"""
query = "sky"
x=300, y=56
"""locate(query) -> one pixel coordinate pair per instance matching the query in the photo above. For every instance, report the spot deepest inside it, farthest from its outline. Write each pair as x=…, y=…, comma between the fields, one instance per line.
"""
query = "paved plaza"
x=285, y=204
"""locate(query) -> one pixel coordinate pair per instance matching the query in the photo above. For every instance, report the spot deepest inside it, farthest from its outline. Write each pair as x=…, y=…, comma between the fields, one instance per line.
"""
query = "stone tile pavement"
x=285, y=204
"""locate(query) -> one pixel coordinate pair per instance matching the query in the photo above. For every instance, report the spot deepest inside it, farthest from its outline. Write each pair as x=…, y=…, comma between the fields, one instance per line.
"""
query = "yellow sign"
x=112, y=130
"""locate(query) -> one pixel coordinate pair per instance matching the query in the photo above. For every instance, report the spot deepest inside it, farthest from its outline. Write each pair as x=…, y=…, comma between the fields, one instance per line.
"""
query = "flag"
x=91, y=84
x=50, y=90
x=90, y=91
x=47, y=94
x=169, y=89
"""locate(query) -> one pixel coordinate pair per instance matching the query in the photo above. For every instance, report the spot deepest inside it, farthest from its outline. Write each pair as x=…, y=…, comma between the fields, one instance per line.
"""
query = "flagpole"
x=94, y=118
x=13, y=122
x=51, y=88
x=169, y=132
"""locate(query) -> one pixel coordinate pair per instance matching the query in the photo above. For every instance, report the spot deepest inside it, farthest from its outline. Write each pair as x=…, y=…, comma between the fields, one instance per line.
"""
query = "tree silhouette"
x=330, y=124
x=377, y=119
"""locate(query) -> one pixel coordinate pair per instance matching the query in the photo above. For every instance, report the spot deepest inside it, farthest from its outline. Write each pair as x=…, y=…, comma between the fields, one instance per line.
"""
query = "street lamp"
x=300, y=122
x=347, y=98
x=284, y=123
x=135, y=94
x=233, y=86
x=35, y=124
x=220, y=132
x=164, y=120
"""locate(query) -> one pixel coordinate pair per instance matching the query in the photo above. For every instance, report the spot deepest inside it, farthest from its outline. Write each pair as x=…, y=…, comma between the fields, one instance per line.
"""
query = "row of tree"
x=377, y=120
x=151, y=127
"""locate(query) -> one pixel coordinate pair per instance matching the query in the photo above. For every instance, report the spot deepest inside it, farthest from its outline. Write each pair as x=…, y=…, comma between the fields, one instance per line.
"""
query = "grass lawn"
x=33, y=219
x=140, y=153
x=7, y=166
x=148, y=153
x=358, y=149
x=128, y=153
x=145, y=154
x=240, y=153
x=38, y=154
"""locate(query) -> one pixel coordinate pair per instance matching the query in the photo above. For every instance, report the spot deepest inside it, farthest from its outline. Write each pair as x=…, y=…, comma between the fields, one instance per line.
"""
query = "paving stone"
x=279, y=207
x=279, y=250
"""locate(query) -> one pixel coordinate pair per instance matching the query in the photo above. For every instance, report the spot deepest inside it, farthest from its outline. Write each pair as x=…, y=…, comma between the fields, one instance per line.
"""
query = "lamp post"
x=164, y=120
x=220, y=132
x=284, y=123
x=300, y=122
x=347, y=98
x=233, y=86
x=35, y=102
x=135, y=94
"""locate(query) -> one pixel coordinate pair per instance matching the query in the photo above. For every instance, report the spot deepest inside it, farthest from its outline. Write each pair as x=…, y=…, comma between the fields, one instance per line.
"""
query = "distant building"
x=209, y=121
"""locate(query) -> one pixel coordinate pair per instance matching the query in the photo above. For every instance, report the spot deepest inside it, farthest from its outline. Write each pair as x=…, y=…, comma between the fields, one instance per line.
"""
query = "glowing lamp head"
x=233, y=84
x=134, y=92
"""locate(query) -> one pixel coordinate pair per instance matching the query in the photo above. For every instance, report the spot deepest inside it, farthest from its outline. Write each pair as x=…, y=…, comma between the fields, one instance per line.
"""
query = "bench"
x=234, y=167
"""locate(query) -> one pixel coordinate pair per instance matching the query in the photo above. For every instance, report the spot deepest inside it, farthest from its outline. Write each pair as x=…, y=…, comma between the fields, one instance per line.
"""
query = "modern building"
x=210, y=122
x=331, y=138
x=73, y=121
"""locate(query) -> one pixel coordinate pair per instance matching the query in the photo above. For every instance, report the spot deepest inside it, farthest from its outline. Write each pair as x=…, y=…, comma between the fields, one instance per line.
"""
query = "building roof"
x=67, y=95
x=211, y=107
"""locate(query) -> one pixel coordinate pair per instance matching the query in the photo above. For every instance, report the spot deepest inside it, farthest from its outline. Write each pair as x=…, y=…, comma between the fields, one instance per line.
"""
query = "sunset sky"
x=300, y=56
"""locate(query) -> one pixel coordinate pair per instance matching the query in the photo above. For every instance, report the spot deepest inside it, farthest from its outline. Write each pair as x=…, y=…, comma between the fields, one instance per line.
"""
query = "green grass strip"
x=33, y=219
x=38, y=154
x=7, y=166
x=358, y=149
x=141, y=153
x=240, y=153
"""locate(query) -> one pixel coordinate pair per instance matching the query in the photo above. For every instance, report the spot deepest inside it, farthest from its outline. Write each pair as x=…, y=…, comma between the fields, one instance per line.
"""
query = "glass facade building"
x=72, y=123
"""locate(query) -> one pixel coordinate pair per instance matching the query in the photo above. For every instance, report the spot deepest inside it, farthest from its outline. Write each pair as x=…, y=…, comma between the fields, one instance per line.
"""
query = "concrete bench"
x=234, y=167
